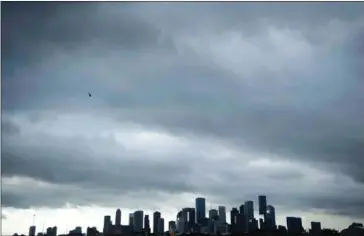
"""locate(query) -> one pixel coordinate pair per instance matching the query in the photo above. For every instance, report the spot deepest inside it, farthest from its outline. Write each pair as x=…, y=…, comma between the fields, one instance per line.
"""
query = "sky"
x=226, y=101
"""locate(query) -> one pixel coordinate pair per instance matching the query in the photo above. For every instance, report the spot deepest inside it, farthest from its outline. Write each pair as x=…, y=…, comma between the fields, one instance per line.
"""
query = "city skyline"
x=221, y=100
x=139, y=221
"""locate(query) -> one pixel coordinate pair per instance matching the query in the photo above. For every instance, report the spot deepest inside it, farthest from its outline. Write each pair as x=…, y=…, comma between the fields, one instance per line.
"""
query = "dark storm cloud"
x=130, y=57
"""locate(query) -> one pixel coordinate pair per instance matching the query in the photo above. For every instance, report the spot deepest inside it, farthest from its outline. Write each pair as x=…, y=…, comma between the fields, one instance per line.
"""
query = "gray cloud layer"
x=278, y=78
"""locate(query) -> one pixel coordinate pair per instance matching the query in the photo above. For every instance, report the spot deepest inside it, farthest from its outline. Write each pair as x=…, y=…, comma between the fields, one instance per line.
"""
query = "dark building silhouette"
x=262, y=204
x=138, y=221
x=32, y=230
x=241, y=223
x=222, y=214
x=160, y=226
x=270, y=218
x=156, y=217
x=172, y=226
x=146, y=223
x=118, y=217
x=131, y=220
x=107, y=224
x=241, y=209
x=315, y=228
x=261, y=224
x=92, y=231
x=200, y=210
x=51, y=231
x=294, y=225
x=213, y=214
x=234, y=214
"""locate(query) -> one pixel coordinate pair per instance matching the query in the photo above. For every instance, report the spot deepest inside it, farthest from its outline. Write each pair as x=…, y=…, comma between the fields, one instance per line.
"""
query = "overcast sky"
x=224, y=100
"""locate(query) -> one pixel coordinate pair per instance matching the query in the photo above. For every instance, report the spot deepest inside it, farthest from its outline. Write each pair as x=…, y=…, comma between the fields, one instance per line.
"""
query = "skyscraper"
x=156, y=217
x=315, y=228
x=192, y=215
x=161, y=226
x=172, y=226
x=118, y=217
x=146, y=223
x=270, y=218
x=213, y=214
x=200, y=210
x=131, y=220
x=234, y=216
x=241, y=209
x=107, y=224
x=294, y=225
x=262, y=204
x=138, y=221
x=222, y=214
x=249, y=210
x=32, y=230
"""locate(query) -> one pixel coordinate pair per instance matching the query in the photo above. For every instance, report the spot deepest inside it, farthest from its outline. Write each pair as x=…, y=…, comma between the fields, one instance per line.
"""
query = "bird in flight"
x=89, y=94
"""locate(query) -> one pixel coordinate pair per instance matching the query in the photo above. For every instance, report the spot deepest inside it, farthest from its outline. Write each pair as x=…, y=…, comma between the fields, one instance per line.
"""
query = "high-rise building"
x=32, y=230
x=249, y=210
x=262, y=204
x=234, y=216
x=161, y=226
x=172, y=227
x=200, y=210
x=156, y=217
x=118, y=217
x=192, y=215
x=146, y=223
x=315, y=228
x=54, y=231
x=241, y=209
x=294, y=225
x=107, y=224
x=131, y=220
x=261, y=224
x=138, y=221
x=222, y=214
x=180, y=222
x=185, y=214
x=213, y=214
x=270, y=218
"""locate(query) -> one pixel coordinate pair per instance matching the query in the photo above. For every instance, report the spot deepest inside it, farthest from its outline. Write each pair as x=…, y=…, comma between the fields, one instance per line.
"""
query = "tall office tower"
x=131, y=220
x=49, y=231
x=118, y=217
x=294, y=225
x=180, y=222
x=249, y=209
x=315, y=228
x=55, y=231
x=161, y=226
x=222, y=214
x=261, y=224
x=241, y=209
x=138, y=221
x=213, y=214
x=200, y=210
x=172, y=227
x=146, y=222
x=156, y=217
x=270, y=218
x=107, y=224
x=32, y=230
x=185, y=214
x=234, y=216
x=262, y=204
x=192, y=215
